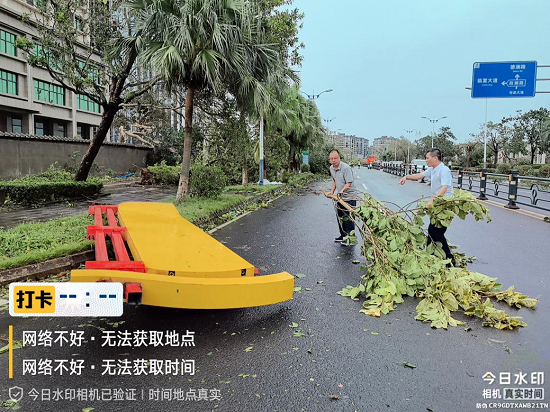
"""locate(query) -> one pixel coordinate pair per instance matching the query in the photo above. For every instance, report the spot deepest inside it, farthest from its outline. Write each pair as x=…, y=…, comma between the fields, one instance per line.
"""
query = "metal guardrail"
x=508, y=188
x=505, y=187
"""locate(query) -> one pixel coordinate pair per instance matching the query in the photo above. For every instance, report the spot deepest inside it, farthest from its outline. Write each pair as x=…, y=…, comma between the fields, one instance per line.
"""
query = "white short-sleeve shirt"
x=440, y=176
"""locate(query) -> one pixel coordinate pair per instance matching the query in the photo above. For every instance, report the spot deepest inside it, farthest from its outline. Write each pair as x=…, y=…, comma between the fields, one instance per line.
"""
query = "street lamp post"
x=434, y=121
x=409, y=144
x=327, y=121
x=261, y=150
x=314, y=96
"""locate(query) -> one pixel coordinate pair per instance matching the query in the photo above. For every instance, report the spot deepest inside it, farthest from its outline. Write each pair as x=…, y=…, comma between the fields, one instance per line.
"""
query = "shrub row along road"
x=259, y=359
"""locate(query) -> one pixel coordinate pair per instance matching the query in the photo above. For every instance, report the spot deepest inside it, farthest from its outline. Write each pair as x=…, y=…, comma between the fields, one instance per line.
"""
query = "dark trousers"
x=437, y=234
x=345, y=225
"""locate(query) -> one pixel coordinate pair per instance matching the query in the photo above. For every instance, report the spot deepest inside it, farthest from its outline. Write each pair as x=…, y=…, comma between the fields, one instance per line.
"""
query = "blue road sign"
x=504, y=79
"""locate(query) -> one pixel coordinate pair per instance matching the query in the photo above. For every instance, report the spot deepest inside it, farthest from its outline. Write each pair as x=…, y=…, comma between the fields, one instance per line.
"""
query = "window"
x=50, y=93
x=8, y=83
x=92, y=72
x=85, y=103
x=51, y=59
x=39, y=4
x=62, y=130
x=78, y=23
x=39, y=128
x=16, y=125
x=7, y=43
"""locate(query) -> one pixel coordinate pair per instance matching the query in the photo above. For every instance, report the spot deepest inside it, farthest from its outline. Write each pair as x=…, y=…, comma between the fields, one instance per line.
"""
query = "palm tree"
x=298, y=119
x=201, y=45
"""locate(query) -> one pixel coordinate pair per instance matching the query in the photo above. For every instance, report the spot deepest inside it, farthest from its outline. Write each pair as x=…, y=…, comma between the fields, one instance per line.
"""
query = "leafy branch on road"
x=400, y=263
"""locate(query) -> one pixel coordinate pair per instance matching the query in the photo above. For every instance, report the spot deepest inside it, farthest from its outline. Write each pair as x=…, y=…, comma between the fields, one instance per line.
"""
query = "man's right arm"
x=327, y=194
x=415, y=176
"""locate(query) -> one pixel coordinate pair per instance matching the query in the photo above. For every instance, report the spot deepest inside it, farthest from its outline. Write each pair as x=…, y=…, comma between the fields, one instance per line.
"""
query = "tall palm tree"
x=298, y=119
x=201, y=45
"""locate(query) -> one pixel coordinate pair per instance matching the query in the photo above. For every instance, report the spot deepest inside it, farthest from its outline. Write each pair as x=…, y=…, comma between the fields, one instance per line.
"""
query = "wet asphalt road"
x=340, y=354
x=112, y=194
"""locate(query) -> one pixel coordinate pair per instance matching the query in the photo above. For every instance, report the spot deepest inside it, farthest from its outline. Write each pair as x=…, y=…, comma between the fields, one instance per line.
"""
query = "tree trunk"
x=244, y=171
x=183, y=186
x=96, y=142
x=244, y=147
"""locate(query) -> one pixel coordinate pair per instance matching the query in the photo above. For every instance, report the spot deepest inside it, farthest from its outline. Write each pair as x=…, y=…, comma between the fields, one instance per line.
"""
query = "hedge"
x=164, y=174
x=504, y=168
x=33, y=192
x=206, y=181
x=544, y=171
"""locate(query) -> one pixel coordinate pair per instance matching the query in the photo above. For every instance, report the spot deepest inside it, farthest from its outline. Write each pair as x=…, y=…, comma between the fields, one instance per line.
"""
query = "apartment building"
x=31, y=102
x=350, y=146
x=382, y=144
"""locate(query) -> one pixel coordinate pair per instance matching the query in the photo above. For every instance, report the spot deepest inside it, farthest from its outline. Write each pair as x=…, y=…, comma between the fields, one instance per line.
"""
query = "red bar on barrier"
x=111, y=218
x=98, y=218
x=99, y=232
x=100, y=247
x=132, y=266
x=120, y=248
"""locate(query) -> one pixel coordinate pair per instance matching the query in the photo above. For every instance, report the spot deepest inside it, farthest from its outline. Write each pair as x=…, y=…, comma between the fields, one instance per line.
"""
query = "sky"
x=390, y=62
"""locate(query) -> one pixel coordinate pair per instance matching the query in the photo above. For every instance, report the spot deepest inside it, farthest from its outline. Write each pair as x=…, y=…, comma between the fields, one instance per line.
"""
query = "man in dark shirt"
x=342, y=184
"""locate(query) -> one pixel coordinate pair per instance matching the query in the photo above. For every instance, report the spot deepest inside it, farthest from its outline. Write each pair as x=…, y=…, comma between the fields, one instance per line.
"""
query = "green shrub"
x=504, y=168
x=523, y=162
x=298, y=180
x=286, y=176
x=491, y=170
x=304, y=168
x=545, y=171
x=34, y=192
x=164, y=174
x=523, y=170
x=207, y=181
x=533, y=172
x=52, y=185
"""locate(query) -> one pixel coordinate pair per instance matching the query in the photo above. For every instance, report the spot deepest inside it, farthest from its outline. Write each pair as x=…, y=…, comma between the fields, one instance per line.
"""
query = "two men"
x=441, y=181
x=342, y=185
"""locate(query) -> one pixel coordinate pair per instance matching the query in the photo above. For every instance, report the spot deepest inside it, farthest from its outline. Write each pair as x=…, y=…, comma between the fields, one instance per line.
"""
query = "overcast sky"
x=390, y=62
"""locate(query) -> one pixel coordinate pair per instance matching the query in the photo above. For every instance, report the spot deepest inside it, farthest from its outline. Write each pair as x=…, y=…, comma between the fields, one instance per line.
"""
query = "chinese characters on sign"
x=504, y=79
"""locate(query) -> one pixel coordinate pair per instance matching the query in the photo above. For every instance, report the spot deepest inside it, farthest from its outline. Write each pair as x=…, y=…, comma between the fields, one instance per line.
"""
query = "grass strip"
x=35, y=242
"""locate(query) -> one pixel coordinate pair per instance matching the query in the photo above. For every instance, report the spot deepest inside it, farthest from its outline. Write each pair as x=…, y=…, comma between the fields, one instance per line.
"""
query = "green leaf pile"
x=399, y=264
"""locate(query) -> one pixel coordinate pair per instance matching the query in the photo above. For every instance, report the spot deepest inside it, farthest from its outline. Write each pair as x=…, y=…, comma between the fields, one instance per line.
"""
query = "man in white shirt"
x=441, y=181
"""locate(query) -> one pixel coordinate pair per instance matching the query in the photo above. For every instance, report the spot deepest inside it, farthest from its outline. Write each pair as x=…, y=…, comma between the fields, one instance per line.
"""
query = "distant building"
x=350, y=146
x=382, y=144
x=31, y=102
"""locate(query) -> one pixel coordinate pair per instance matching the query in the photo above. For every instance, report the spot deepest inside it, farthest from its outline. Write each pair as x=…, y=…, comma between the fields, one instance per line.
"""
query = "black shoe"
x=452, y=263
x=339, y=239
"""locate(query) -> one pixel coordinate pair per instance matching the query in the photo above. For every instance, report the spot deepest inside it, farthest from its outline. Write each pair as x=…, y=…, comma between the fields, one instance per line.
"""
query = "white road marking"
x=365, y=186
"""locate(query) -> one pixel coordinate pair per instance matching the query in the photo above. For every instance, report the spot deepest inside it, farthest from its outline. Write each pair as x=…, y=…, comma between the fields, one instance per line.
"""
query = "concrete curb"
x=43, y=269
